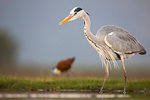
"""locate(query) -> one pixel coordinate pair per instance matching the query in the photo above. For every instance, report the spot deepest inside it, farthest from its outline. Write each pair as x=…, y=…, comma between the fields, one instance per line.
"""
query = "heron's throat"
x=87, y=32
x=87, y=25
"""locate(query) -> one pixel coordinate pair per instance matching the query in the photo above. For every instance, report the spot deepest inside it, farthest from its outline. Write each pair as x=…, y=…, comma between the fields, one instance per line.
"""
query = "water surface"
x=134, y=96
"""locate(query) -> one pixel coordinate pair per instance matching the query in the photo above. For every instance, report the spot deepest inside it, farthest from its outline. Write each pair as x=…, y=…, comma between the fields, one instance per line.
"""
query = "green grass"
x=56, y=83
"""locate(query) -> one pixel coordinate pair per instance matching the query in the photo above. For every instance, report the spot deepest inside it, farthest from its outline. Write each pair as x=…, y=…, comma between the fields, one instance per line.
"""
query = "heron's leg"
x=125, y=74
x=106, y=77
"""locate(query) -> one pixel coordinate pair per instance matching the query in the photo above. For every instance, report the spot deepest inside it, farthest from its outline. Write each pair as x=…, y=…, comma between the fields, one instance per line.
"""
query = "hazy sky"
x=34, y=23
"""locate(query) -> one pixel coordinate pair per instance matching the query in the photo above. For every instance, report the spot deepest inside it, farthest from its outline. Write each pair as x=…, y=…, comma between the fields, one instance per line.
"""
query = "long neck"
x=87, y=32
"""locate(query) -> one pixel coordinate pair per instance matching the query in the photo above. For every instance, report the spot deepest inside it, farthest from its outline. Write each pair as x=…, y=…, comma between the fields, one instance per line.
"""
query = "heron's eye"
x=75, y=13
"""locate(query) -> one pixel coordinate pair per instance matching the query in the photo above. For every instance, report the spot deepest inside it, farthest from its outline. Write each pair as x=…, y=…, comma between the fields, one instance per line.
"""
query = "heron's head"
x=55, y=71
x=75, y=13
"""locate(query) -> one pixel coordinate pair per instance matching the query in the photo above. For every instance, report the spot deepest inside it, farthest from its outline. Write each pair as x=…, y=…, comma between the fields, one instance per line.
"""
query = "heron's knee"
x=125, y=75
x=107, y=76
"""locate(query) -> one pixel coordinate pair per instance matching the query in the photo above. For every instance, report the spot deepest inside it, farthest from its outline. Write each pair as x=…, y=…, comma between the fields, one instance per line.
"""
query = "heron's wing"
x=123, y=43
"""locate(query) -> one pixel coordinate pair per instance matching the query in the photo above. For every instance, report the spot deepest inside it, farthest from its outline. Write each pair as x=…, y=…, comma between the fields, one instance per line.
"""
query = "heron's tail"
x=143, y=52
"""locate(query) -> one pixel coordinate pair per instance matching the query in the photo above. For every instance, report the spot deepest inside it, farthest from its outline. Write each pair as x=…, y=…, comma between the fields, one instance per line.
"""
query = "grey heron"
x=111, y=42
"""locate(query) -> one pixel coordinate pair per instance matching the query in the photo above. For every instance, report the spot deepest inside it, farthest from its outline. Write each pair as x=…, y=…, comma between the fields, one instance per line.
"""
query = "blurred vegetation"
x=8, y=48
x=140, y=71
x=56, y=83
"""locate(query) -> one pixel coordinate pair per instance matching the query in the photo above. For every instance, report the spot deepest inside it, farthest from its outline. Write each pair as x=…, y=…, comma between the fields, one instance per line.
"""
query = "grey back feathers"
x=120, y=41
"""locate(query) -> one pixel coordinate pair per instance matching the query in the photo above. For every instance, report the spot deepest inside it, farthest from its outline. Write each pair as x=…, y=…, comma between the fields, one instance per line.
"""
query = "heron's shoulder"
x=112, y=28
x=105, y=30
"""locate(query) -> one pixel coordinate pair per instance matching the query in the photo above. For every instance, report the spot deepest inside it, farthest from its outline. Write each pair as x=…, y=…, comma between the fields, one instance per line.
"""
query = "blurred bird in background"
x=63, y=66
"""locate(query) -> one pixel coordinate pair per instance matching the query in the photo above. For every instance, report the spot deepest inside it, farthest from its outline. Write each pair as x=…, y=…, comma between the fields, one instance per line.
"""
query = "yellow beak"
x=65, y=20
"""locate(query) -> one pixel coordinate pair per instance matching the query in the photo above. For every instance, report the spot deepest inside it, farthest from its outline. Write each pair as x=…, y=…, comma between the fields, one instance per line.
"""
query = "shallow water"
x=82, y=99
x=132, y=97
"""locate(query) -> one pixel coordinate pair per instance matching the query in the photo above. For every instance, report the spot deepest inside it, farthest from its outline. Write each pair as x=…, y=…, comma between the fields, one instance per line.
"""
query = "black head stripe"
x=88, y=14
x=77, y=9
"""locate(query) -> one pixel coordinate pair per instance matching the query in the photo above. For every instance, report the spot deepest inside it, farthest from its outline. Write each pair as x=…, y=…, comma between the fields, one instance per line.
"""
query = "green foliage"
x=56, y=83
x=7, y=47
